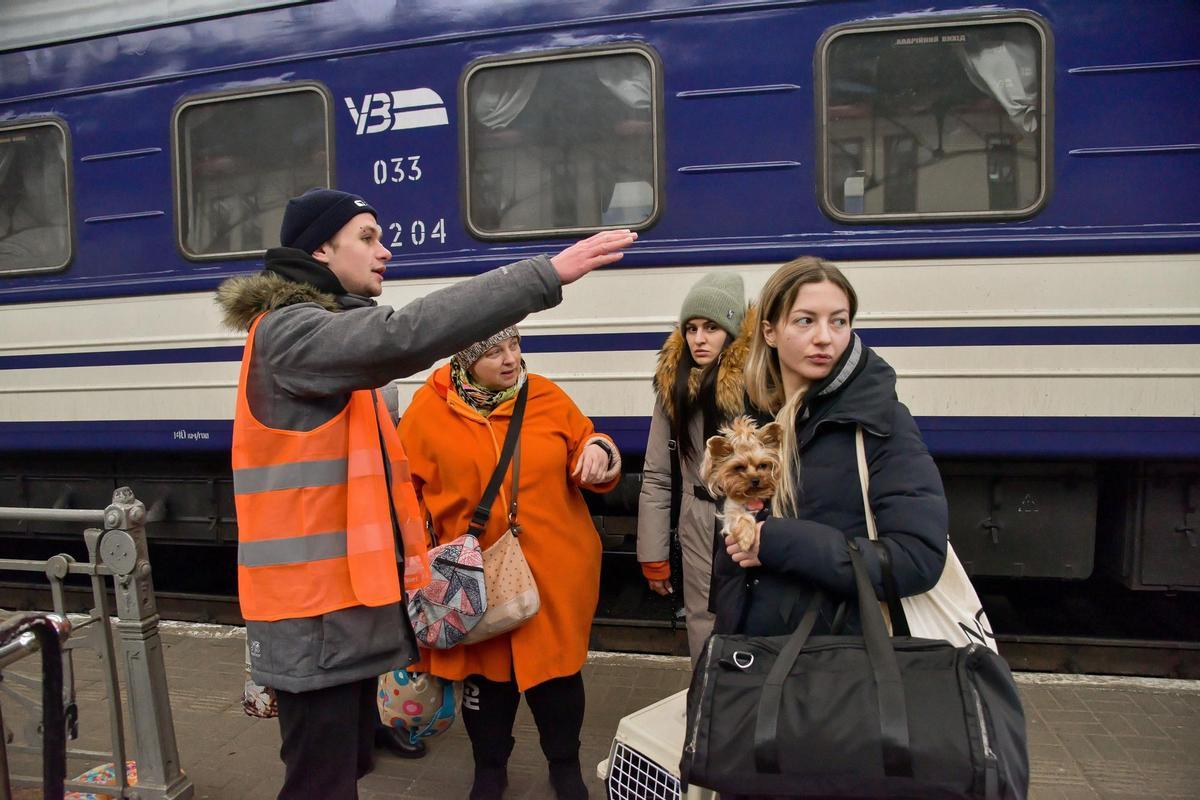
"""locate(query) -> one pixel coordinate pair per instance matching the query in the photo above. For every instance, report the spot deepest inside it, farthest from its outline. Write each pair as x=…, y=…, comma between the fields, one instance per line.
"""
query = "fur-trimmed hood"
x=245, y=297
x=289, y=277
x=730, y=387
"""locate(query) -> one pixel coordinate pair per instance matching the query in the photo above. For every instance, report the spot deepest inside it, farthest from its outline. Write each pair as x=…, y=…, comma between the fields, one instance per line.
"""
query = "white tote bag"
x=951, y=609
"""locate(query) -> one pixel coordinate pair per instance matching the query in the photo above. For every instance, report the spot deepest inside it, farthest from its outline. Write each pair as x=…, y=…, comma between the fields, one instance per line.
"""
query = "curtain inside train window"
x=558, y=144
x=35, y=225
x=944, y=120
x=239, y=159
x=33, y=23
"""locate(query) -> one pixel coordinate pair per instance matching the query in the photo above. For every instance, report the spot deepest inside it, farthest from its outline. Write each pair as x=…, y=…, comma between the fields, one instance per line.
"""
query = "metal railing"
x=20, y=637
x=116, y=551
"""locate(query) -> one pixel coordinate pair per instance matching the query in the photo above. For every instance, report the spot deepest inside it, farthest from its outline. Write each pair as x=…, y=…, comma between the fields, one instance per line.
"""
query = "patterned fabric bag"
x=451, y=605
x=257, y=700
x=514, y=598
x=415, y=703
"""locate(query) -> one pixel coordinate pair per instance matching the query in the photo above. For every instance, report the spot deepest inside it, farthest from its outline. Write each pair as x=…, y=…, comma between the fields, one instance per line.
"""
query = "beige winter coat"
x=697, y=517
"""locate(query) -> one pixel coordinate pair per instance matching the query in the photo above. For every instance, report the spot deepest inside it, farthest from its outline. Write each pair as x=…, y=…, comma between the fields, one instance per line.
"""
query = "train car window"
x=921, y=121
x=35, y=211
x=562, y=143
x=238, y=160
x=32, y=23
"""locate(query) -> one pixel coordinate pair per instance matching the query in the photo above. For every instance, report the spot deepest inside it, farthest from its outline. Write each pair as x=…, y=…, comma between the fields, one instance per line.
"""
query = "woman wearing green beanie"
x=698, y=387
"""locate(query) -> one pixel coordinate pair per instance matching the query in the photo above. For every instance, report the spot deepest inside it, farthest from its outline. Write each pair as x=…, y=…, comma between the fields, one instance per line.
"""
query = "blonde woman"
x=809, y=369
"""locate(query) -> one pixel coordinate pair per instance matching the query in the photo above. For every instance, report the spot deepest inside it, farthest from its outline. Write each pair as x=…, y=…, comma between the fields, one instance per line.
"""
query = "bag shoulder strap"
x=484, y=509
x=431, y=531
x=895, y=608
x=516, y=477
x=860, y=450
x=397, y=538
x=674, y=547
x=676, y=482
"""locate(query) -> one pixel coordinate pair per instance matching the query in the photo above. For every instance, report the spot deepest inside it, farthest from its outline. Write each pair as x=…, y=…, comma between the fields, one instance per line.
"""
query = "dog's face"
x=742, y=463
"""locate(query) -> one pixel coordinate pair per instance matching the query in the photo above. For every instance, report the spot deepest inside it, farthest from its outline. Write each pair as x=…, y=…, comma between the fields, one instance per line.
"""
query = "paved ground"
x=1089, y=737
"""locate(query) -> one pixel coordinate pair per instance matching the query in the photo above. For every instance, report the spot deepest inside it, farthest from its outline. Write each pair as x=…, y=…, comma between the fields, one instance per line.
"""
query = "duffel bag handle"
x=889, y=688
x=766, y=723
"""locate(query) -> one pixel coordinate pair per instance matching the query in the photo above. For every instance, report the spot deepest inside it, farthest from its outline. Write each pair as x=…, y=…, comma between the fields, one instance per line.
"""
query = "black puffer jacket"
x=811, y=550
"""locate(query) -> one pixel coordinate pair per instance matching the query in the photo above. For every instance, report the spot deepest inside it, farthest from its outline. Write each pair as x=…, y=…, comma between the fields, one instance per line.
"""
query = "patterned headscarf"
x=467, y=357
x=478, y=396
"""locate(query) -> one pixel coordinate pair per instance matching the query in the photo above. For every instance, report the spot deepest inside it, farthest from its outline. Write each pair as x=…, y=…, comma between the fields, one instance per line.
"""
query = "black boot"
x=490, y=783
x=567, y=779
x=398, y=743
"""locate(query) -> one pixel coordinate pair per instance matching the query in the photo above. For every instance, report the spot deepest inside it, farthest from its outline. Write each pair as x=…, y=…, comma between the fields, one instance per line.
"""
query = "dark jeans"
x=489, y=709
x=328, y=735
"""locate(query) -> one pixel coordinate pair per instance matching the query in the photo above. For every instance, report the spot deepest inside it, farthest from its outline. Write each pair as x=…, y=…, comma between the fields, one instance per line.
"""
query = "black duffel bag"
x=854, y=716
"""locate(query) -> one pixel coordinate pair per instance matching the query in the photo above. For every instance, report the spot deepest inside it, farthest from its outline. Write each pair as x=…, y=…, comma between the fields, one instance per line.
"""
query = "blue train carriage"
x=1012, y=190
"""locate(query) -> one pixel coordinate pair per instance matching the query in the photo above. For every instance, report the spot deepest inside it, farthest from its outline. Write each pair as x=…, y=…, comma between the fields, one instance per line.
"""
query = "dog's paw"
x=744, y=531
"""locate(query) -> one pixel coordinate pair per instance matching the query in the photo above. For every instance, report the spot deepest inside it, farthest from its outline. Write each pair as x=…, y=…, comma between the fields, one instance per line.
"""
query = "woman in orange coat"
x=453, y=432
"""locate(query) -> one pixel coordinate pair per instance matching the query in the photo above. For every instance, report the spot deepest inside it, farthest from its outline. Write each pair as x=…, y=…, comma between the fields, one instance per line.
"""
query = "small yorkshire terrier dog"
x=742, y=464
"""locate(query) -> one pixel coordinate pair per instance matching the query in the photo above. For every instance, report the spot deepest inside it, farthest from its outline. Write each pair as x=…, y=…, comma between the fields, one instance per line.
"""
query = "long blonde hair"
x=763, y=375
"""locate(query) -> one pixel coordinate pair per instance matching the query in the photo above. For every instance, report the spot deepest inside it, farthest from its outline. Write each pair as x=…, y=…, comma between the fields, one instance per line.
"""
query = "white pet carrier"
x=643, y=762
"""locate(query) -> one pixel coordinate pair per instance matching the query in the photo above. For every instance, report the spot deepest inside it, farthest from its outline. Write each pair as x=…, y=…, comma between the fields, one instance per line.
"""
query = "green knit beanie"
x=719, y=296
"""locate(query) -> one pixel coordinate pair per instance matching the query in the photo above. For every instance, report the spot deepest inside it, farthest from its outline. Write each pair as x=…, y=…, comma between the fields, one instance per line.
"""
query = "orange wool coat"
x=452, y=451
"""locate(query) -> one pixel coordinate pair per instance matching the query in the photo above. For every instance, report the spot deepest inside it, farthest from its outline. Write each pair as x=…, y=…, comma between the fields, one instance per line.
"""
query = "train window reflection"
x=562, y=143
x=939, y=120
x=35, y=228
x=239, y=160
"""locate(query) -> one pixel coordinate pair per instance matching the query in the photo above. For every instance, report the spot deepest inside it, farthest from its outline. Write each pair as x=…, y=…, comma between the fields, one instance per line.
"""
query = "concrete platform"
x=1090, y=737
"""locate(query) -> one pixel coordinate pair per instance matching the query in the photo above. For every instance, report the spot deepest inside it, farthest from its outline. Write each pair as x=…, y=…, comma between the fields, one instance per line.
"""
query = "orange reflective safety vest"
x=315, y=529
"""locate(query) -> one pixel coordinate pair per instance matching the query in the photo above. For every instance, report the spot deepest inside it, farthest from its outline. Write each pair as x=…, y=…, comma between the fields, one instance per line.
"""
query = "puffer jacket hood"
x=731, y=361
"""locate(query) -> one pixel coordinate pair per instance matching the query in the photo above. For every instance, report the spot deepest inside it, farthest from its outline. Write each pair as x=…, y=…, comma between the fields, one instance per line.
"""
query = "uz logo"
x=393, y=111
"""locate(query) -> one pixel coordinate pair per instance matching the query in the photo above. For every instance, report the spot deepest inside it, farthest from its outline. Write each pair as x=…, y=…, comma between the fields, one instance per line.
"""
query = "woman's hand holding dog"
x=744, y=558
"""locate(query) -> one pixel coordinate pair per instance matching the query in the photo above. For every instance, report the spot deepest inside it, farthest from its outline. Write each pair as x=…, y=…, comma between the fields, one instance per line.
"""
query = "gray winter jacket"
x=310, y=353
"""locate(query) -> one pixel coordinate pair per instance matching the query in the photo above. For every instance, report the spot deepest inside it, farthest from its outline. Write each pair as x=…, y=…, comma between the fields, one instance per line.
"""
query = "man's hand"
x=595, y=251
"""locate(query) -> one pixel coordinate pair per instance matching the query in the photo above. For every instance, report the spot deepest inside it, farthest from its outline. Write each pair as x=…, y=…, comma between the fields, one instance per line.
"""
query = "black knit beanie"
x=313, y=218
